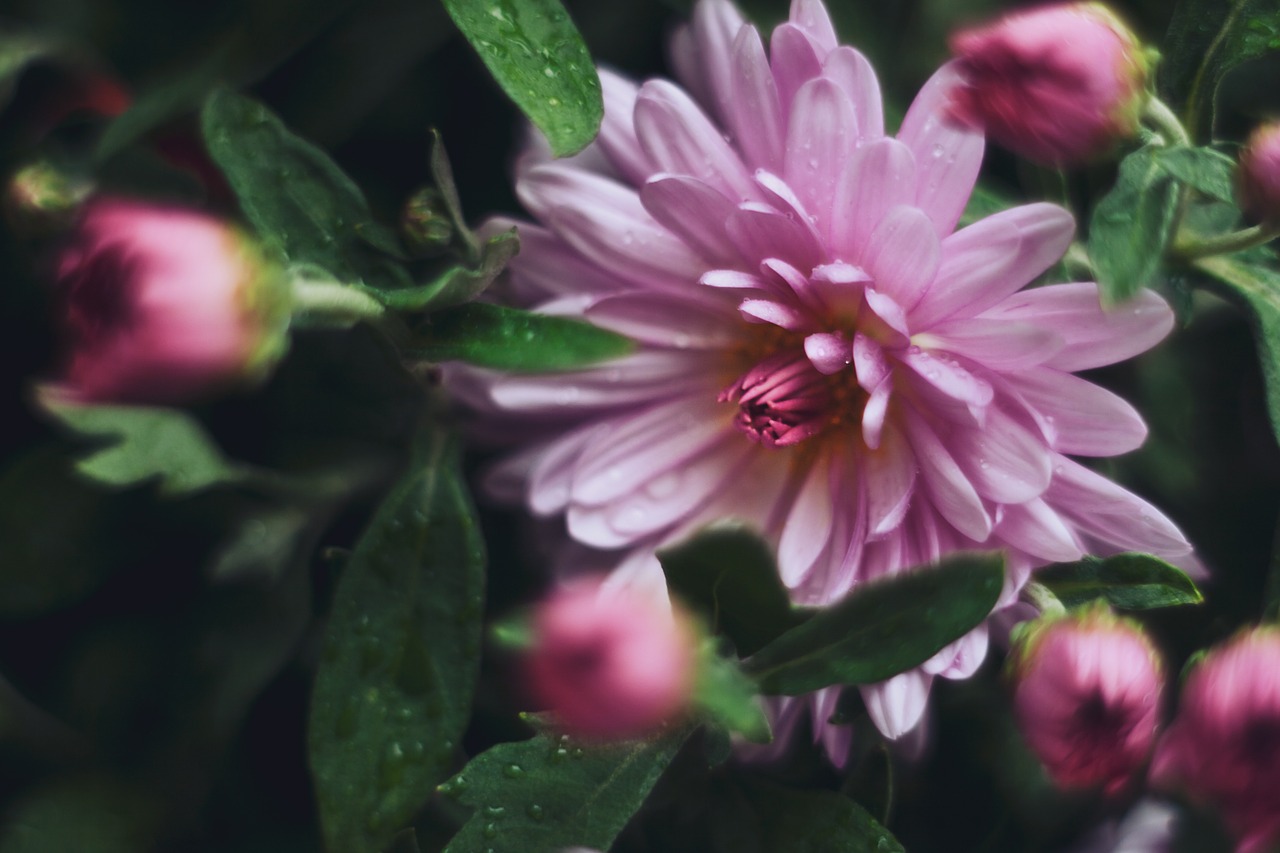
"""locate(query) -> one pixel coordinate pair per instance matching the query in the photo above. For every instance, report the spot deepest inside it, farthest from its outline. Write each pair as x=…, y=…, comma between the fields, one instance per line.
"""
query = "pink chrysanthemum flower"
x=821, y=353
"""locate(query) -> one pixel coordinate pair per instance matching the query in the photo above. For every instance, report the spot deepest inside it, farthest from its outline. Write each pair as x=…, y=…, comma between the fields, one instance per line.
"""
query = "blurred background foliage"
x=156, y=655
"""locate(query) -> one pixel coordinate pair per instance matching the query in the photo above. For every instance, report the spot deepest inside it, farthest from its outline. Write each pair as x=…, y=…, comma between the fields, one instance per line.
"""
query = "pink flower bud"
x=164, y=305
x=1223, y=748
x=1258, y=174
x=1058, y=84
x=611, y=663
x=1087, y=697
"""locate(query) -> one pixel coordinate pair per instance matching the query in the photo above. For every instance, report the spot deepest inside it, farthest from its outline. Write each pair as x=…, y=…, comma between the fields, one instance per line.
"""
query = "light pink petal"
x=878, y=177
x=755, y=115
x=948, y=155
x=821, y=136
x=875, y=411
x=835, y=739
x=617, y=137
x=948, y=376
x=1101, y=509
x=779, y=194
x=853, y=73
x=811, y=16
x=789, y=279
x=890, y=477
x=903, y=255
x=715, y=25
x=961, y=659
x=888, y=310
x=606, y=223
x=682, y=321
x=951, y=493
x=633, y=380
x=631, y=450
x=869, y=362
x=828, y=353
x=1005, y=460
x=733, y=280
x=547, y=267
x=993, y=258
x=694, y=210
x=1035, y=528
x=679, y=138
x=761, y=234
x=769, y=311
x=664, y=499
x=795, y=60
x=997, y=344
x=897, y=705
x=1093, y=336
x=1086, y=420
x=807, y=528
x=551, y=477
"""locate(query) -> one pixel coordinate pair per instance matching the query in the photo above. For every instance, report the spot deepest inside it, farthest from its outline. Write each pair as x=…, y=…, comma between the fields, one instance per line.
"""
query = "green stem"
x=1190, y=247
x=1043, y=599
x=1157, y=114
x=333, y=301
x=1077, y=259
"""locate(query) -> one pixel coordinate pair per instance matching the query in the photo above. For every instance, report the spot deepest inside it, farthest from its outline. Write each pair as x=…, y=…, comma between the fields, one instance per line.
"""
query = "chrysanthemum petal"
x=948, y=155
x=890, y=477
x=760, y=234
x=794, y=59
x=681, y=321
x=991, y=259
x=551, y=479
x=1039, y=531
x=811, y=16
x=954, y=497
x=1005, y=460
x=853, y=73
x=998, y=344
x=821, y=135
x=680, y=139
x=695, y=211
x=875, y=411
x=897, y=705
x=704, y=57
x=1110, y=514
x=828, y=353
x=948, y=376
x=1094, y=336
x=755, y=115
x=633, y=380
x=617, y=138
x=606, y=223
x=1087, y=420
x=547, y=268
x=808, y=526
x=961, y=659
x=878, y=177
x=903, y=255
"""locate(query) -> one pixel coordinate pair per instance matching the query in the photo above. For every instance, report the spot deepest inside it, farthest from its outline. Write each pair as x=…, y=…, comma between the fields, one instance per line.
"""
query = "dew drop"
x=534, y=811
x=490, y=830
x=513, y=771
x=577, y=753
x=494, y=812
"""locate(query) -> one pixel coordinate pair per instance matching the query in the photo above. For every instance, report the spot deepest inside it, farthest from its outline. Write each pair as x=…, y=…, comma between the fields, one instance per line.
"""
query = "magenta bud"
x=1059, y=84
x=611, y=663
x=1223, y=748
x=164, y=305
x=1258, y=174
x=1087, y=691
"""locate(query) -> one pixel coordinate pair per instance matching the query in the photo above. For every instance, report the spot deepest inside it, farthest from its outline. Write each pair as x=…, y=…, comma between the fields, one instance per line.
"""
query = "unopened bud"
x=428, y=228
x=1258, y=174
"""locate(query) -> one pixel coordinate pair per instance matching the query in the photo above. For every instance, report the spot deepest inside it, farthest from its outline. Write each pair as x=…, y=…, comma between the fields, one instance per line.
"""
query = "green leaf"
x=727, y=573
x=458, y=284
x=1206, y=39
x=545, y=794
x=1206, y=170
x=728, y=696
x=1257, y=288
x=882, y=628
x=1132, y=225
x=511, y=339
x=393, y=693
x=442, y=174
x=1127, y=581
x=535, y=53
x=141, y=444
x=297, y=198
x=811, y=821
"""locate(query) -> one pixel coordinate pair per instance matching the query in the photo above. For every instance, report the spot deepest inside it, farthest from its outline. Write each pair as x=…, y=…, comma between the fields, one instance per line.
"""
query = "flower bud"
x=1058, y=85
x=163, y=305
x=611, y=663
x=1258, y=174
x=1087, y=697
x=1223, y=748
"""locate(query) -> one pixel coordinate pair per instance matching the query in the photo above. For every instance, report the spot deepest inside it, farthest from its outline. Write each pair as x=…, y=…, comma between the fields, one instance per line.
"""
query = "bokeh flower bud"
x=1058, y=85
x=1223, y=748
x=611, y=664
x=1087, y=691
x=164, y=305
x=1258, y=174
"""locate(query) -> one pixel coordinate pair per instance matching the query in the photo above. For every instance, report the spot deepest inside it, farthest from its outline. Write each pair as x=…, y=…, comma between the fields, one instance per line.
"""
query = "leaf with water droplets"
x=1126, y=581
x=882, y=628
x=393, y=692
x=547, y=793
x=511, y=339
x=297, y=198
x=538, y=57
